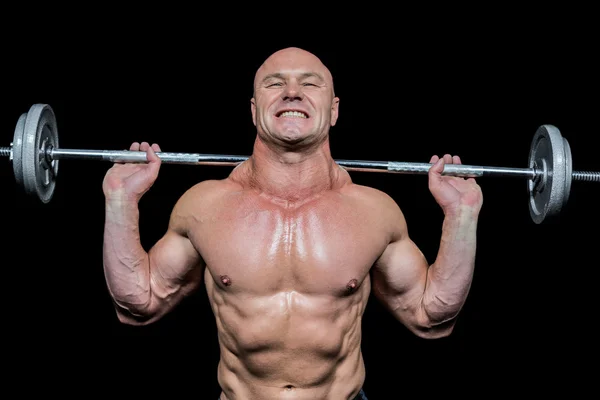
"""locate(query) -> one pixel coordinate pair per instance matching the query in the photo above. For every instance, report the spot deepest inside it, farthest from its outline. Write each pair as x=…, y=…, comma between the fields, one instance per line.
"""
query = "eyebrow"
x=304, y=75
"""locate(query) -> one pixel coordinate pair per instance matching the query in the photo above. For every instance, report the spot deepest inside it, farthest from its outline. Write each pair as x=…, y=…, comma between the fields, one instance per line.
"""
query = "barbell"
x=35, y=154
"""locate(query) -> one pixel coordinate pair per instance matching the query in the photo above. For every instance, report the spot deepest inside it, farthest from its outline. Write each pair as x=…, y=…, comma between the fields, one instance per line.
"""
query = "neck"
x=293, y=176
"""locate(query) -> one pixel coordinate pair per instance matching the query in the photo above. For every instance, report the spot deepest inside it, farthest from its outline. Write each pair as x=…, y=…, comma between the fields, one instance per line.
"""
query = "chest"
x=324, y=246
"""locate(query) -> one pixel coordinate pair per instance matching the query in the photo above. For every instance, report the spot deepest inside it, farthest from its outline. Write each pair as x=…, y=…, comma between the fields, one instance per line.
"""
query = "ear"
x=335, y=109
x=253, y=110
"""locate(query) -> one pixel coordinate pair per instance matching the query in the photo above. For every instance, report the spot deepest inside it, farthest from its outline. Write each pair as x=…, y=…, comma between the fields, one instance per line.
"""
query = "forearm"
x=449, y=277
x=126, y=263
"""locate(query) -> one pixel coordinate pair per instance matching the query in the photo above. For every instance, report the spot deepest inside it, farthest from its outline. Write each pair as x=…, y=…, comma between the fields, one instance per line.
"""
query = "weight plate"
x=40, y=132
x=547, y=154
x=17, y=149
x=568, y=171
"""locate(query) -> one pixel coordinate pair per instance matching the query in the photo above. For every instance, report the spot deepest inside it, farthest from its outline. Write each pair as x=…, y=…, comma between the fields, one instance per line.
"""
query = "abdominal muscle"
x=288, y=285
x=289, y=345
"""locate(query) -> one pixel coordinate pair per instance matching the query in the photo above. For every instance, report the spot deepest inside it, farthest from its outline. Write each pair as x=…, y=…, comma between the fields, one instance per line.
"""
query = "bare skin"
x=289, y=248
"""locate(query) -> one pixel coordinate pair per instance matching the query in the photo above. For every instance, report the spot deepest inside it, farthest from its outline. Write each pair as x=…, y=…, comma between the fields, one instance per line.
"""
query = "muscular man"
x=289, y=248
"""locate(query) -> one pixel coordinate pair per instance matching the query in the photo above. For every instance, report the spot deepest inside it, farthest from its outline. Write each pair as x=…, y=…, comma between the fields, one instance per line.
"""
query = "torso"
x=288, y=284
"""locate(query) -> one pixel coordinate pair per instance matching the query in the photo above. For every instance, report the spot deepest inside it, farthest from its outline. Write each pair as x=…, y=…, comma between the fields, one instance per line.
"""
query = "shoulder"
x=204, y=194
x=372, y=197
x=382, y=207
x=207, y=190
x=199, y=200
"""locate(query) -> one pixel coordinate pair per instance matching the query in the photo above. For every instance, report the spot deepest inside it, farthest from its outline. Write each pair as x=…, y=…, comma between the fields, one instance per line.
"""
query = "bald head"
x=293, y=59
x=294, y=104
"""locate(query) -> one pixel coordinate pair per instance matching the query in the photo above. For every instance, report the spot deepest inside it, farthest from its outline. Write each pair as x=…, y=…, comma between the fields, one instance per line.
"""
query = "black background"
x=477, y=86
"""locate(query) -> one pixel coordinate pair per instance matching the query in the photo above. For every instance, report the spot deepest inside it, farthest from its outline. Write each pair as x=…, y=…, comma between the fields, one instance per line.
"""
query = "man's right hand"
x=130, y=181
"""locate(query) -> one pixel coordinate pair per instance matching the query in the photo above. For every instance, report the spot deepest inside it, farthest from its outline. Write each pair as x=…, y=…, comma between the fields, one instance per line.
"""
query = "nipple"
x=351, y=286
x=225, y=280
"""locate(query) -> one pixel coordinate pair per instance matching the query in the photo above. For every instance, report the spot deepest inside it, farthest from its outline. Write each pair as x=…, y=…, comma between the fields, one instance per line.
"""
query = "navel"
x=352, y=285
x=225, y=280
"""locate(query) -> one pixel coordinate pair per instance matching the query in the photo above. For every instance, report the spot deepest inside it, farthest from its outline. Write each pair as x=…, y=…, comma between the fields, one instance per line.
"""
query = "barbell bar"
x=35, y=154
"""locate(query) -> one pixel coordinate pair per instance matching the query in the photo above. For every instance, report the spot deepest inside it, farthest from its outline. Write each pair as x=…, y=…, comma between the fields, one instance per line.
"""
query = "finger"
x=144, y=146
x=151, y=155
x=156, y=148
x=434, y=159
x=447, y=159
x=135, y=146
x=457, y=160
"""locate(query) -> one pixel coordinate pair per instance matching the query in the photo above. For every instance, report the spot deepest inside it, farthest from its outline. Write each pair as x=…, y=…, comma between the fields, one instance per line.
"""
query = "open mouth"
x=292, y=114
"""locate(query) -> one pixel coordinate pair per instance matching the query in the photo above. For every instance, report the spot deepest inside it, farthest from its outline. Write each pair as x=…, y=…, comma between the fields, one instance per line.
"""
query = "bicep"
x=176, y=268
x=400, y=274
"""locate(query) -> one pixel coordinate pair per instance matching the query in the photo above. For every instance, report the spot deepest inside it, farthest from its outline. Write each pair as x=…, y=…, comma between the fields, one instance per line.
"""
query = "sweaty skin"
x=289, y=321
x=289, y=249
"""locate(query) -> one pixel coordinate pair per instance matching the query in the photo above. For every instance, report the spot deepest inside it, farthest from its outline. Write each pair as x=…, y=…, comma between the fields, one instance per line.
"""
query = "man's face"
x=294, y=101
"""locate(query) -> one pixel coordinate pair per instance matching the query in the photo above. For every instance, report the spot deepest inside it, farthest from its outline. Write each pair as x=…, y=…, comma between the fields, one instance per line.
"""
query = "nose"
x=292, y=92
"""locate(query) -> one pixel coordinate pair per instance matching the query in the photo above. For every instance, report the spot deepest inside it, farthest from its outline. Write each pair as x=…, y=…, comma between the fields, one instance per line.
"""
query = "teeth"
x=295, y=114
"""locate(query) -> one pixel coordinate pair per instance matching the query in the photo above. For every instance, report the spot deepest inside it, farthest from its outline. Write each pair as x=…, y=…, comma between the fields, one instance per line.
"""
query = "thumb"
x=435, y=172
